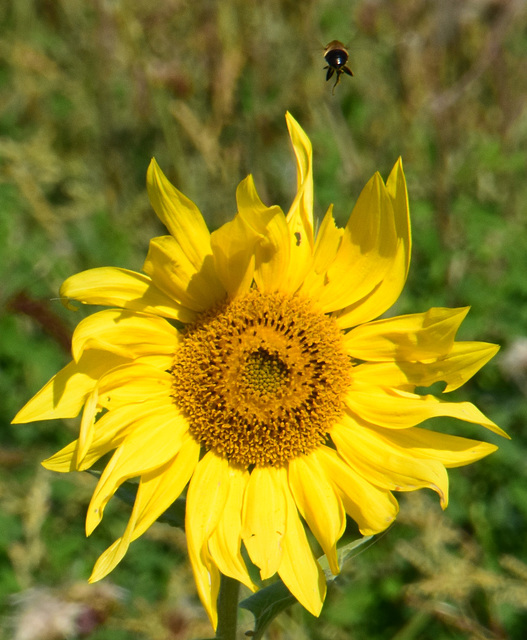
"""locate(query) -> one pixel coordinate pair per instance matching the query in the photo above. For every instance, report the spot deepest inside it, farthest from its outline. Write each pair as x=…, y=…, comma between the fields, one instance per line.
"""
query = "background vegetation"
x=89, y=91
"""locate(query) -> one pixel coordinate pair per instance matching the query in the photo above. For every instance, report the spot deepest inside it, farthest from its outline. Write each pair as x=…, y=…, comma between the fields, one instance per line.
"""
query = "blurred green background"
x=89, y=91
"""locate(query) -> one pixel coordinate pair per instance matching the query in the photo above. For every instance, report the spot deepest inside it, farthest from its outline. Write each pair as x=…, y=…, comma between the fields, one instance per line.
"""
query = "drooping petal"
x=165, y=484
x=299, y=570
x=366, y=252
x=396, y=409
x=318, y=503
x=181, y=217
x=458, y=366
x=113, y=287
x=419, y=336
x=150, y=444
x=386, y=465
x=174, y=274
x=128, y=334
x=64, y=395
x=225, y=543
x=156, y=492
x=264, y=518
x=206, y=498
x=389, y=288
x=108, y=560
x=373, y=509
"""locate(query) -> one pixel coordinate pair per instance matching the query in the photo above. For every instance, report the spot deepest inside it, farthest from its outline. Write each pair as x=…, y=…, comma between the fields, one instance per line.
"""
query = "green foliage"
x=271, y=600
x=90, y=91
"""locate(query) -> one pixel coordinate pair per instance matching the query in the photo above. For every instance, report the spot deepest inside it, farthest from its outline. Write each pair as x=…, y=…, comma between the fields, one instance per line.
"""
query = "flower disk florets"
x=261, y=379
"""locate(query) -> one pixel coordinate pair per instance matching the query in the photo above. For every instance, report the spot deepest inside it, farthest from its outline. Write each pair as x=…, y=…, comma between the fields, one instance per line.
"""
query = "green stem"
x=227, y=608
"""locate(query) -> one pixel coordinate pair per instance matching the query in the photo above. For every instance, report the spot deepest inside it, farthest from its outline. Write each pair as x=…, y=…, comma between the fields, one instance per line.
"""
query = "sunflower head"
x=262, y=378
x=247, y=367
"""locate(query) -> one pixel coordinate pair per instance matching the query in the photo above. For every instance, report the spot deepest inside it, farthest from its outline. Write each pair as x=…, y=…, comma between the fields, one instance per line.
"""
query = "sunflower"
x=246, y=366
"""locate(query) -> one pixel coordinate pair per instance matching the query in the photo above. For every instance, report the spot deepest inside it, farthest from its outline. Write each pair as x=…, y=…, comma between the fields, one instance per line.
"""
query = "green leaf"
x=435, y=389
x=343, y=554
x=175, y=514
x=268, y=602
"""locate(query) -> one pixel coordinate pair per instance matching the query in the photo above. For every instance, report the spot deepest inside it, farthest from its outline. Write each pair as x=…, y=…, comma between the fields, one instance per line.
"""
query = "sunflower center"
x=261, y=379
x=264, y=372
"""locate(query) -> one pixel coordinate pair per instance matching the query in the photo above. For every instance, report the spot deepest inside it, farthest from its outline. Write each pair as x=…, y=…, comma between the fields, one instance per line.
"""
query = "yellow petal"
x=299, y=570
x=109, y=432
x=418, y=336
x=113, y=555
x=206, y=498
x=373, y=509
x=328, y=241
x=385, y=464
x=139, y=453
x=267, y=234
x=463, y=361
x=271, y=257
x=458, y=366
x=112, y=287
x=329, y=237
x=233, y=244
x=64, y=395
x=174, y=274
x=179, y=215
x=225, y=543
x=87, y=428
x=164, y=485
x=396, y=187
x=128, y=334
x=367, y=250
x=302, y=208
x=389, y=288
x=264, y=518
x=135, y=383
x=156, y=492
x=318, y=503
x=300, y=215
x=64, y=460
x=398, y=409
x=451, y=451
x=249, y=203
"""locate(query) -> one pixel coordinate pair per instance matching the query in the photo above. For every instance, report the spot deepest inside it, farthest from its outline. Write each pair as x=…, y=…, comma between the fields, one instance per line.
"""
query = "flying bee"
x=336, y=55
